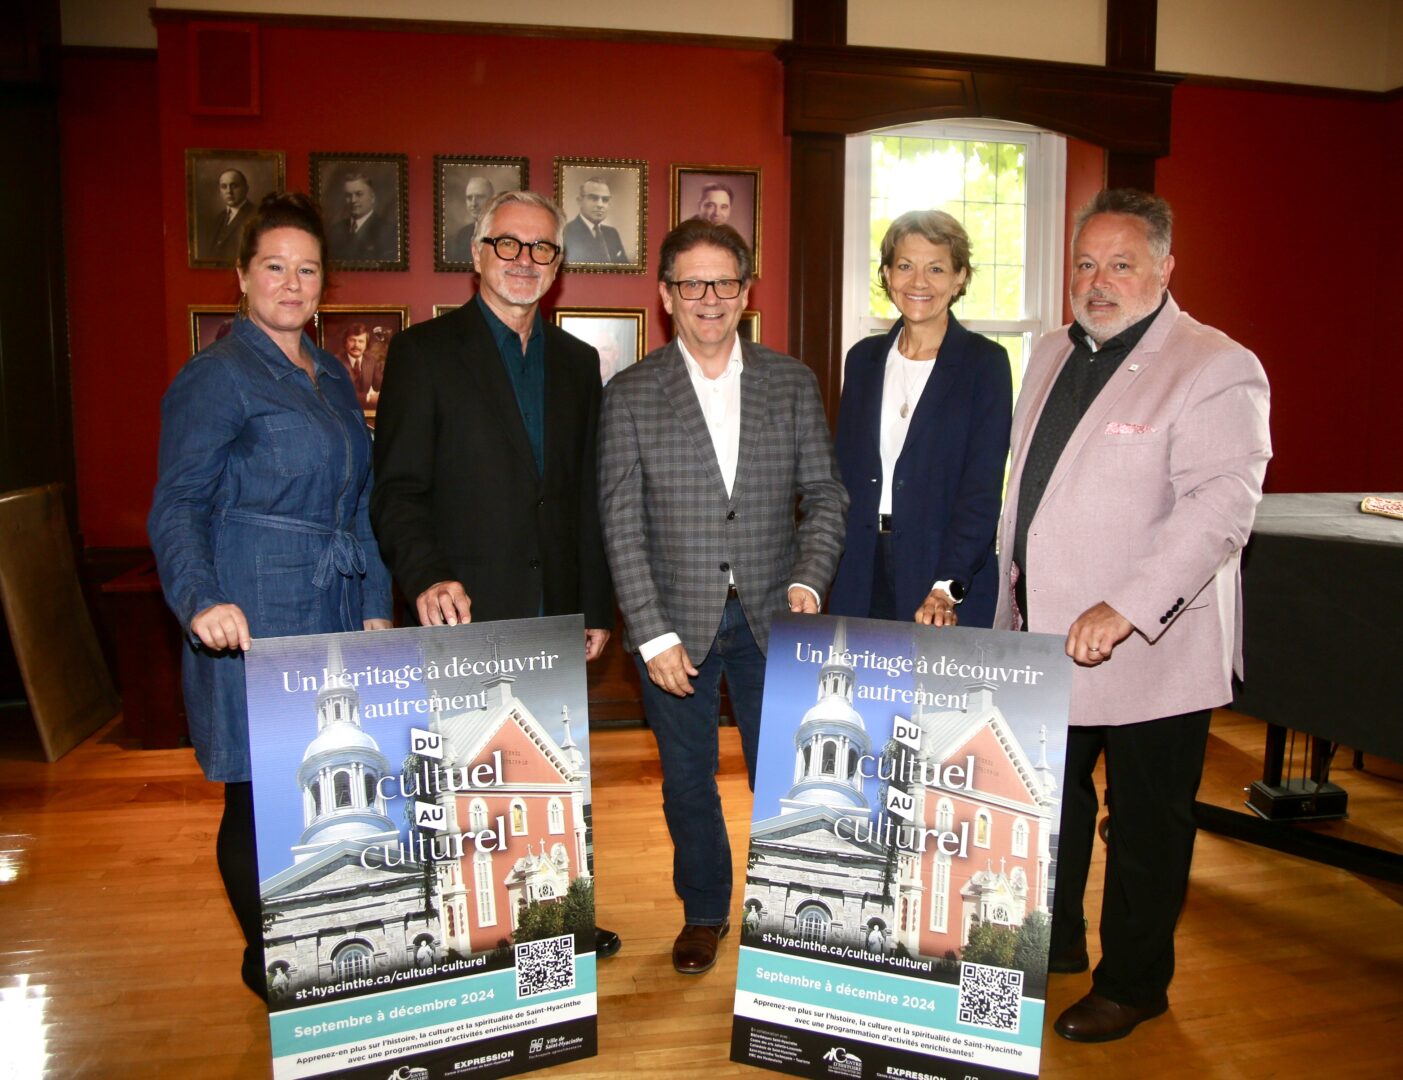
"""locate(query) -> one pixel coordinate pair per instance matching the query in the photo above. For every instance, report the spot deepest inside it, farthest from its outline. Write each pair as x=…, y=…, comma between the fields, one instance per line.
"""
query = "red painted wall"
x=1286, y=236
x=1086, y=175
x=427, y=94
x=117, y=304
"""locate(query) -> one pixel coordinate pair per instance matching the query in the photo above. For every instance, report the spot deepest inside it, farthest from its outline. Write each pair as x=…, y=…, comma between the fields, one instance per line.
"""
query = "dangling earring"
x=243, y=305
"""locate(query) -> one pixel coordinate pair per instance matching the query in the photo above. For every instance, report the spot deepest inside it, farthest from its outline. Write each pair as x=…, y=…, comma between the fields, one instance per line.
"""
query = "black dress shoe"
x=1071, y=962
x=606, y=942
x=695, y=949
x=1098, y=1019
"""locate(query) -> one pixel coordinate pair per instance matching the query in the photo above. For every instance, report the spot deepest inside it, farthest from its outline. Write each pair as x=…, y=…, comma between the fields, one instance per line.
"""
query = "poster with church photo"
x=898, y=895
x=422, y=802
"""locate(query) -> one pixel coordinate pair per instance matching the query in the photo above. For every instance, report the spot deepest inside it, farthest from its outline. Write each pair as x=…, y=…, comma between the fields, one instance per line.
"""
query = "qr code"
x=545, y=966
x=990, y=997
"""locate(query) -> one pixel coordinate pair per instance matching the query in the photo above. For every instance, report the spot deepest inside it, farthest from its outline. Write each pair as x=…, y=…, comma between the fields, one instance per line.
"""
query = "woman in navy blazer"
x=922, y=439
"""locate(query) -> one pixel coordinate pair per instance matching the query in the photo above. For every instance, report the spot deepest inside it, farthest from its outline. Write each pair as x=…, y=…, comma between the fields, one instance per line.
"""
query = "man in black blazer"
x=484, y=503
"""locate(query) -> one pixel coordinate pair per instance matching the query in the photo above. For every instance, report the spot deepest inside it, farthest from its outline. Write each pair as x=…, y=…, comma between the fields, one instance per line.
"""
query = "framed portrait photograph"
x=444, y=309
x=364, y=199
x=606, y=205
x=724, y=194
x=209, y=323
x=359, y=336
x=462, y=187
x=749, y=326
x=619, y=334
x=222, y=189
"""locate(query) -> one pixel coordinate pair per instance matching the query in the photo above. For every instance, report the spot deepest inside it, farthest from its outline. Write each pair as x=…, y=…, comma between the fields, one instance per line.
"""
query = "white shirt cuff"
x=808, y=589
x=944, y=586
x=659, y=644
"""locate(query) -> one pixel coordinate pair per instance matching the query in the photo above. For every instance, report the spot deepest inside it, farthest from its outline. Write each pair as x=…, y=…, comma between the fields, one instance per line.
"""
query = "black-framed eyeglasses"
x=543, y=252
x=693, y=289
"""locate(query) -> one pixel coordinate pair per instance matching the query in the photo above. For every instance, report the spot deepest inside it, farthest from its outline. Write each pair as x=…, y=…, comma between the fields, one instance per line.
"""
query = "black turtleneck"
x=1078, y=384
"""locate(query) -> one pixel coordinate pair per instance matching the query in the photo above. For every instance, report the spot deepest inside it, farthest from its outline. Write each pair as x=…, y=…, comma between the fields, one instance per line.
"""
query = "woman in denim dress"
x=260, y=523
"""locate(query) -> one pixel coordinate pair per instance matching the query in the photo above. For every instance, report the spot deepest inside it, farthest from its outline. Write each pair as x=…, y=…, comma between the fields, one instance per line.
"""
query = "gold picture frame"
x=380, y=241
x=209, y=323
x=734, y=201
x=619, y=335
x=616, y=243
x=749, y=326
x=452, y=224
x=339, y=328
x=212, y=238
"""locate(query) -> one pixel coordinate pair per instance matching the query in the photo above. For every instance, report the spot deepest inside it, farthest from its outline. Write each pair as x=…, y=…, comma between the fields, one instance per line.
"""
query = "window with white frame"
x=353, y=960
x=983, y=823
x=482, y=884
x=939, y=893
x=944, y=815
x=1004, y=182
x=1020, y=838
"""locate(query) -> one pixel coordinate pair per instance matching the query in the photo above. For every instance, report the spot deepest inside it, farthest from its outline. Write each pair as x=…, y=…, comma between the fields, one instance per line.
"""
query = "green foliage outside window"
x=984, y=185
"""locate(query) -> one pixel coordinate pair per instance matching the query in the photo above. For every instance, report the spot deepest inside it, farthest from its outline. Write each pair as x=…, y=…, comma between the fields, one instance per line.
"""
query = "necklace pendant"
x=905, y=409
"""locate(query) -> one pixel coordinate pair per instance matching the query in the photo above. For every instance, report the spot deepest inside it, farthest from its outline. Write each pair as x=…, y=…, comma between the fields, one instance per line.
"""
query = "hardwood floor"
x=120, y=958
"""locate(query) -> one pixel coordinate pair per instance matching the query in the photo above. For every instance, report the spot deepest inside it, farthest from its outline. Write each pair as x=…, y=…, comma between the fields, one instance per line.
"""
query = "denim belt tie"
x=343, y=555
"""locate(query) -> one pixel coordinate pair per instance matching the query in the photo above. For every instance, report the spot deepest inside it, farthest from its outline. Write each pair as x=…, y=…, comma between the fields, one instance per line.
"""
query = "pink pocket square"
x=1117, y=428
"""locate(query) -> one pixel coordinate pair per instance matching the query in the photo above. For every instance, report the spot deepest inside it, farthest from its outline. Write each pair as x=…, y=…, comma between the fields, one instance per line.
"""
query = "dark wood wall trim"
x=835, y=91
x=1131, y=26
x=445, y=26
x=816, y=259
x=109, y=52
x=846, y=90
x=1263, y=86
x=820, y=22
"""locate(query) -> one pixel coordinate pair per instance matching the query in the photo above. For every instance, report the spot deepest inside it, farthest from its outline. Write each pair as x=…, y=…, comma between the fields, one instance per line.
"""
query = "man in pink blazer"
x=1139, y=445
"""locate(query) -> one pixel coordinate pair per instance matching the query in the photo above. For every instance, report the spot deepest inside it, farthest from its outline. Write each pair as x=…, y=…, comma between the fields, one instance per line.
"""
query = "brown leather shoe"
x=1098, y=1019
x=694, y=951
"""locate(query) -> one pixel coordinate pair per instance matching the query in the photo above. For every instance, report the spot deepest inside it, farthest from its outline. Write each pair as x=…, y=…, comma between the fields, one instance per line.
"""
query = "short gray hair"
x=526, y=198
x=1155, y=212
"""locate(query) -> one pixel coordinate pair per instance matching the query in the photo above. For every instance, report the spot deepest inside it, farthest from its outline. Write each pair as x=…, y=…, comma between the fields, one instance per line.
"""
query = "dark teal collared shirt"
x=527, y=370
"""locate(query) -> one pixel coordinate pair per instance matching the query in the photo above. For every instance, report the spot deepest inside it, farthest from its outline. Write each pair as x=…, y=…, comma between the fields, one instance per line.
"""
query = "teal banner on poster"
x=902, y=859
x=422, y=805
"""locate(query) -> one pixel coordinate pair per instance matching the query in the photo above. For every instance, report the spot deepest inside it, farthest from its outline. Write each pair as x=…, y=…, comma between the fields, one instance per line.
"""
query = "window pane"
x=1012, y=185
x=978, y=302
x=1017, y=346
x=983, y=184
x=1008, y=292
x=979, y=171
x=1011, y=233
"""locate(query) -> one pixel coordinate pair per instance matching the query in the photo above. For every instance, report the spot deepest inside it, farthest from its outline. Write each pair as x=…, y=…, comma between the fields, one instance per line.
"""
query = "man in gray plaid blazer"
x=705, y=447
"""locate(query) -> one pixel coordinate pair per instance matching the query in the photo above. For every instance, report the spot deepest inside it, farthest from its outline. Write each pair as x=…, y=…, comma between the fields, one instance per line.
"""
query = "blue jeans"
x=685, y=728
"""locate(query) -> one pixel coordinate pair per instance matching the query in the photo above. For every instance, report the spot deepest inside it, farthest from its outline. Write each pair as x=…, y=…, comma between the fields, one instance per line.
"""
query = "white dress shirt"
x=904, y=383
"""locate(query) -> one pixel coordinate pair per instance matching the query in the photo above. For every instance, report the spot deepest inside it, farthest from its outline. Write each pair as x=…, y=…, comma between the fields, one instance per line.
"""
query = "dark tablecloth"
x=1323, y=615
